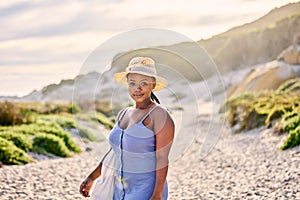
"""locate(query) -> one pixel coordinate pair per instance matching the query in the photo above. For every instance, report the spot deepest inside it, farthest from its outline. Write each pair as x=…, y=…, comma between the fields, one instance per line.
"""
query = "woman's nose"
x=139, y=87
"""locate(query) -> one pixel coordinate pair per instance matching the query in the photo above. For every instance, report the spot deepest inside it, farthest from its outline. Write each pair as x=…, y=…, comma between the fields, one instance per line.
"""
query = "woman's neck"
x=144, y=105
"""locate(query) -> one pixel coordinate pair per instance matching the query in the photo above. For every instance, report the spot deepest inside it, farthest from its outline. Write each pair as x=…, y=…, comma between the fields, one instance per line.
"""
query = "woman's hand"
x=85, y=187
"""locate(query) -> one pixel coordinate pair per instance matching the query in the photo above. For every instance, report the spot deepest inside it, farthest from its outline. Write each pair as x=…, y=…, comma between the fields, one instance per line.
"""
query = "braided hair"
x=154, y=98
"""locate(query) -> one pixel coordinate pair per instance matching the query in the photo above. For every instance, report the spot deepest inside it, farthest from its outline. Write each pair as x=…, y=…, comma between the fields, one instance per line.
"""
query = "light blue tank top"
x=134, y=149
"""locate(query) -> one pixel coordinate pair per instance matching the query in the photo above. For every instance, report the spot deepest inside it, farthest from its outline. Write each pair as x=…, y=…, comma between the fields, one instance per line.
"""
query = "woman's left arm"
x=164, y=130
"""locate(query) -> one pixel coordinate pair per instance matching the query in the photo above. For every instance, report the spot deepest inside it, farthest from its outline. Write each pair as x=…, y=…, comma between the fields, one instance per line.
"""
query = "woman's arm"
x=87, y=184
x=97, y=171
x=164, y=129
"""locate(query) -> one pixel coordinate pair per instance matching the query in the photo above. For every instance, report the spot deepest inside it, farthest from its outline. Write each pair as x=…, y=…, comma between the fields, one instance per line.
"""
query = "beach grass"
x=42, y=128
x=279, y=108
x=11, y=154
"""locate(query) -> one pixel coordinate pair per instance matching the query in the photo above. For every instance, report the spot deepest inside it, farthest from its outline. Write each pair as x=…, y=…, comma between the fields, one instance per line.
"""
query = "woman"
x=141, y=138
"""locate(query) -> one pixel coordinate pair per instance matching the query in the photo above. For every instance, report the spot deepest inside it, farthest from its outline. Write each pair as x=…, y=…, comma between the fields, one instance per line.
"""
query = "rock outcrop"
x=292, y=54
x=271, y=75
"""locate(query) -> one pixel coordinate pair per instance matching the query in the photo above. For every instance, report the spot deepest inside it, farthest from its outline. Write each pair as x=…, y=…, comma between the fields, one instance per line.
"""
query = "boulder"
x=291, y=55
x=268, y=77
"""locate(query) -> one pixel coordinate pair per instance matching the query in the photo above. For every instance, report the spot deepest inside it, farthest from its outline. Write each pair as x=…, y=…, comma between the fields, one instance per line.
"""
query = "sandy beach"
x=241, y=166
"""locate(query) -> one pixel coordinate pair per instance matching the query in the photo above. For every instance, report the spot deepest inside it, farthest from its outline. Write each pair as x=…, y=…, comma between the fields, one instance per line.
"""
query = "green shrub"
x=292, y=123
x=11, y=155
x=251, y=110
x=11, y=114
x=290, y=115
x=54, y=108
x=21, y=141
x=74, y=109
x=50, y=143
x=241, y=110
x=102, y=119
x=292, y=85
x=63, y=122
x=45, y=127
x=85, y=133
x=104, y=107
x=66, y=123
x=56, y=130
x=292, y=140
x=22, y=129
x=45, y=108
x=69, y=123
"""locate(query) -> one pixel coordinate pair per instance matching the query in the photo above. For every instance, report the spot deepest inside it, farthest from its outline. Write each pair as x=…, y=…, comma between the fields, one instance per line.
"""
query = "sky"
x=45, y=41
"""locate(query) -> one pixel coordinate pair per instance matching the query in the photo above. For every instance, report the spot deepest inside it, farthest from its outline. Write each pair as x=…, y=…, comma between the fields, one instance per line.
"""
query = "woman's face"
x=140, y=86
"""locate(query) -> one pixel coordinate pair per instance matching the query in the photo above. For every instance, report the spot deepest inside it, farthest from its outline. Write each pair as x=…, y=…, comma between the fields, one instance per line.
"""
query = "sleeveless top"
x=134, y=149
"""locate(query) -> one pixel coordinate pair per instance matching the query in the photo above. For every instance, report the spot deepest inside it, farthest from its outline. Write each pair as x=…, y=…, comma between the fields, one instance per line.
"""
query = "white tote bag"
x=105, y=184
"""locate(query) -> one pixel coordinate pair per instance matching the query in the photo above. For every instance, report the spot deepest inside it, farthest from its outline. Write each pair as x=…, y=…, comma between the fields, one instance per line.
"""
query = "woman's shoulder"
x=121, y=112
x=162, y=118
x=161, y=111
x=160, y=108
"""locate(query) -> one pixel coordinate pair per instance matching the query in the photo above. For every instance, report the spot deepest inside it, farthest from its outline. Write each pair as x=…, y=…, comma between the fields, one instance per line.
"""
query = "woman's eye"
x=131, y=84
x=144, y=83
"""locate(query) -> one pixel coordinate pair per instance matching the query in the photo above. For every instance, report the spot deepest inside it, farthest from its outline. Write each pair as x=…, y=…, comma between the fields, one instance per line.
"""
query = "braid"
x=154, y=98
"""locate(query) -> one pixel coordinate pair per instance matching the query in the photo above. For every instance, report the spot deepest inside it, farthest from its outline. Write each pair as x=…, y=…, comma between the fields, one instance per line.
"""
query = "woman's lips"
x=138, y=95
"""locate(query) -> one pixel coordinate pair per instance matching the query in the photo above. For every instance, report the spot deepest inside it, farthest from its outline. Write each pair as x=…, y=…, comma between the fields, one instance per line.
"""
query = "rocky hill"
x=235, y=49
x=240, y=47
x=256, y=42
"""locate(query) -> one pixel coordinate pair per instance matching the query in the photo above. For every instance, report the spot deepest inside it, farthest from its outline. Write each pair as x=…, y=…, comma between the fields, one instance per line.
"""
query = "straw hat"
x=144, y=66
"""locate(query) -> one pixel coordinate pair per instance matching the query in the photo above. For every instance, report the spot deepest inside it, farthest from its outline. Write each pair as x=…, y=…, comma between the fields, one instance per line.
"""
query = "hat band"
x=148, y=70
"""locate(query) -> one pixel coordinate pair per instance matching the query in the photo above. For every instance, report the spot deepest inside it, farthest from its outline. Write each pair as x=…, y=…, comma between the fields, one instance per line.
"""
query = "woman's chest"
x=133, y=118
x=137, y=138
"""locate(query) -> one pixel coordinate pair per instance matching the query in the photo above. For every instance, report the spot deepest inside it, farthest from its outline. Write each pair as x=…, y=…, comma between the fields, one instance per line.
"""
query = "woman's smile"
x=138, y=95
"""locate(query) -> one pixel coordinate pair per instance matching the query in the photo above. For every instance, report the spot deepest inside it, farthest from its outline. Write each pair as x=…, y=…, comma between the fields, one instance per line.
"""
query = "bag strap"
x=120, y=118
x=122, y=114
x=103, y=158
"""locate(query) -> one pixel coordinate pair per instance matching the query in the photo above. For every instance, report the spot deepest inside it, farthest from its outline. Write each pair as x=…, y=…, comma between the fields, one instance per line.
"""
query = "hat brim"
x=161, y=82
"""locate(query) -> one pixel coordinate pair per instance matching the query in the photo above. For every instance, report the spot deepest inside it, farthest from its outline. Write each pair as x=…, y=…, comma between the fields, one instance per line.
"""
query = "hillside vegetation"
x=42, y=129
x=235, y=50
x=279, y=109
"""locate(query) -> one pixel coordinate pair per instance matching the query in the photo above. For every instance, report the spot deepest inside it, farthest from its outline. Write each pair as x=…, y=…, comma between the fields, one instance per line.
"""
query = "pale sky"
x=45, y=41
